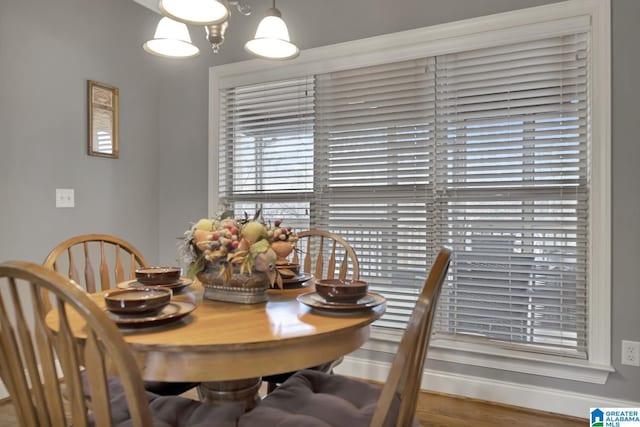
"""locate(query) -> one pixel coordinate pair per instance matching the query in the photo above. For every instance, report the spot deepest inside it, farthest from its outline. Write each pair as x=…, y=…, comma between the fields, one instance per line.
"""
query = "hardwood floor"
x=435, y=410
x=451, y=411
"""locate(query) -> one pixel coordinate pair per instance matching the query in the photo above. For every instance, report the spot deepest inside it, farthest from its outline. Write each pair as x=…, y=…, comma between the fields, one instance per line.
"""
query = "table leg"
x=231, y=391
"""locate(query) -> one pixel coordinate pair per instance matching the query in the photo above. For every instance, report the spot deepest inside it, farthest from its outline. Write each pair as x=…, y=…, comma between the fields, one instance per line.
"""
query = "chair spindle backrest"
x=315, y=245
x=109, y=251
x=29, y=349
x=406, y=370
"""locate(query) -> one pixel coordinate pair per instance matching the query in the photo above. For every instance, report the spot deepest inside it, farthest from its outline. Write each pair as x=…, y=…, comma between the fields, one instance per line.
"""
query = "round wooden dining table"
x=229, y=346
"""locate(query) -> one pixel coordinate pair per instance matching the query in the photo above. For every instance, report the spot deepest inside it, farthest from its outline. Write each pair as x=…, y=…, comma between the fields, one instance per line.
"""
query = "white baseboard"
x=523, y=395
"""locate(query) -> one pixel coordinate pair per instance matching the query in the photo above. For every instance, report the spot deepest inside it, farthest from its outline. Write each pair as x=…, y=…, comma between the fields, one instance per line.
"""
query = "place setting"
x=342, y=296
x=292, y=278
x=167, y=277
x=147, y=300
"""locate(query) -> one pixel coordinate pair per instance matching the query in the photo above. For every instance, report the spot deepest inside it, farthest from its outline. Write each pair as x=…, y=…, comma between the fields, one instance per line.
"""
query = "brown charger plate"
x=171, y=312
x=314, y=300
x=175, y=286
x=299, y=281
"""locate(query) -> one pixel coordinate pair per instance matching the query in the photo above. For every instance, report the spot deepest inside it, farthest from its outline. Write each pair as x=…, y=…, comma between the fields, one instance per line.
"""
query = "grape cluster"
x=281, y=234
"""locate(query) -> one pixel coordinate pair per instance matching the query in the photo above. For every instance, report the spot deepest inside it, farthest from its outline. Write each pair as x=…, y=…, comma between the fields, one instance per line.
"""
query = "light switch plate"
x=65, y=198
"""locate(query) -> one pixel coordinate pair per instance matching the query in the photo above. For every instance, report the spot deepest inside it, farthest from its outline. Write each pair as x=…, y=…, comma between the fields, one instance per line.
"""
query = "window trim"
x=516, y=25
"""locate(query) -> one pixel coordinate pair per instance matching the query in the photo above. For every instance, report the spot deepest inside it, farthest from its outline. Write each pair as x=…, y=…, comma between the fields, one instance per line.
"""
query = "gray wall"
x=49, y=49
x=625, y=195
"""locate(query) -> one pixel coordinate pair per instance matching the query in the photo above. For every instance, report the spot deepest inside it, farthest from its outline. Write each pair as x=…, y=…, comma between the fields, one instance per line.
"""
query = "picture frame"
x=103, y=119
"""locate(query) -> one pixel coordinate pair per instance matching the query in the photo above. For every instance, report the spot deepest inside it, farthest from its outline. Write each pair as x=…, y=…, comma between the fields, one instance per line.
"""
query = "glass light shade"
x=196, y=12
x=272, y=39
x=171, y=40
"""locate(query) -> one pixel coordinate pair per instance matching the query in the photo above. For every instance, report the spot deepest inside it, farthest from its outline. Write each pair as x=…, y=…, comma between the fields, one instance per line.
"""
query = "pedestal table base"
x=231, y=391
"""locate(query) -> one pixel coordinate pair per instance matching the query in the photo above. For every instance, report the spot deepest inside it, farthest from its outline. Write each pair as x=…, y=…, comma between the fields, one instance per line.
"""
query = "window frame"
x=473, y=33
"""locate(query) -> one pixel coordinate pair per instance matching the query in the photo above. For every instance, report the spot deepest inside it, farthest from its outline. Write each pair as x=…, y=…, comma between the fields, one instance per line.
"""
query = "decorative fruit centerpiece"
x=283, y=241
x=237, y=255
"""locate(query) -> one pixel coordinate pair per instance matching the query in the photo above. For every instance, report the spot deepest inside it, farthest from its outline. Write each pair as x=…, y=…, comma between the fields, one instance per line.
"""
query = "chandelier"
x=172, y=37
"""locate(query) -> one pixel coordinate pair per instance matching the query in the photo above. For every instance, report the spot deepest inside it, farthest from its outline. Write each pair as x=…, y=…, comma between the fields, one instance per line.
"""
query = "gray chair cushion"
x=280, y=378
x=172, y=411
x=176, y=411
x=316, y=399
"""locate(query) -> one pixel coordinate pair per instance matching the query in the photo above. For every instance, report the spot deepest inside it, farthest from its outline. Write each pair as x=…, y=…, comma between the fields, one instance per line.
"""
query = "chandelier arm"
x=242, y=7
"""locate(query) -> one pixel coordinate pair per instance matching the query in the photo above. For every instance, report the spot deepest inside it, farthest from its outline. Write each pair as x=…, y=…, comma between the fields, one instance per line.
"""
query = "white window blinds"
x=485, y=151
x=512, y=192
x=266, y=149
x=375, y=138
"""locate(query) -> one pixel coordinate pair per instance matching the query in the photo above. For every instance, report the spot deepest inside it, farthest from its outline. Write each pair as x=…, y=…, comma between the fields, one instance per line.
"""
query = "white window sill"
x=490, y=356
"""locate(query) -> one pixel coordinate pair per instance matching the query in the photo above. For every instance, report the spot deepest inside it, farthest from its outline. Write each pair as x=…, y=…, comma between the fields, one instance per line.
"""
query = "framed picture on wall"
x=103, y=119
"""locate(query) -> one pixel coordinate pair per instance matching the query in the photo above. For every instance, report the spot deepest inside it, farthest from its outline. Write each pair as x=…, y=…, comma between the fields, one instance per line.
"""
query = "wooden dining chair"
x=105, y=261
x=33, y=359
x=315, y=399
x=326, y=255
